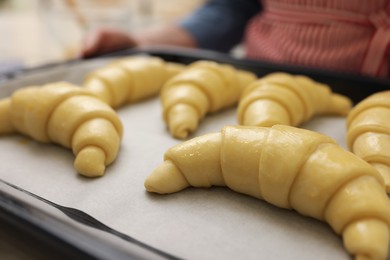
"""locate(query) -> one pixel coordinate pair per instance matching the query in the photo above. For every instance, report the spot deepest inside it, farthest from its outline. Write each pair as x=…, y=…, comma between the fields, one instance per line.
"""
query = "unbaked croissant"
x=130, y=79
x=67, y=115
x=368, y=134
x=281, y=98
x=291, y=168
x=204, y=87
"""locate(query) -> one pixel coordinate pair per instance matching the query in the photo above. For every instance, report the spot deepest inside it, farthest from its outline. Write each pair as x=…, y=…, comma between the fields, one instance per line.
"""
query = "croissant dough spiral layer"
x=204, y=87
x=368, y=132
x=281, y=98
x=67, y=115
x=130, y=79
x=291, y=168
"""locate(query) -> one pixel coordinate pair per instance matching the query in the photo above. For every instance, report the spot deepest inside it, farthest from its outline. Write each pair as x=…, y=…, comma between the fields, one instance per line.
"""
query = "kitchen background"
x=35, y=32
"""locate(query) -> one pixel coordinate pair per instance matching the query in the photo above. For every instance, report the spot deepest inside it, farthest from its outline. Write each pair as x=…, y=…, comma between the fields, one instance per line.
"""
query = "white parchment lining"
x=214, y=223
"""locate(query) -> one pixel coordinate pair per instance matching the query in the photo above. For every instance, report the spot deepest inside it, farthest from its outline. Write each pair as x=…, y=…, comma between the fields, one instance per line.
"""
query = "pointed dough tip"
x=166, y=178
x=90, y=161
x=181, y=132
x=340, y=105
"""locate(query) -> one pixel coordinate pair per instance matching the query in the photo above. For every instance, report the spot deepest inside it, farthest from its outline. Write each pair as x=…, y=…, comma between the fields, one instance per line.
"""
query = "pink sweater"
x=346, y=35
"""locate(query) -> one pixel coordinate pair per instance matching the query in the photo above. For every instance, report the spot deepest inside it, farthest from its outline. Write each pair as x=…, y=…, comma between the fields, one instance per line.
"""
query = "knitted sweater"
x=346, y=35
x=341, y=35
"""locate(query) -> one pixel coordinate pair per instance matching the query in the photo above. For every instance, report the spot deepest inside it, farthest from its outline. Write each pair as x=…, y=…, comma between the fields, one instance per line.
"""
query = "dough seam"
x=340, y=188
x=267, y=98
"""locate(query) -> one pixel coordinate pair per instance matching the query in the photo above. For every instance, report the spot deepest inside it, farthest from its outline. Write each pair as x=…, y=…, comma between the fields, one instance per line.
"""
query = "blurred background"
x=36, y=32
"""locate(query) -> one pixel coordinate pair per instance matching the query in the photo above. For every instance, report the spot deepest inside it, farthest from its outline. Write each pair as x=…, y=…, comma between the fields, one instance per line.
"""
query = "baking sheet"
x=214, y=223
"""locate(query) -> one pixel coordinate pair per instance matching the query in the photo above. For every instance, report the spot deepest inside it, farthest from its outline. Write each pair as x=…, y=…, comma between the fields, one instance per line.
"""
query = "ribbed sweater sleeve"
x=220, y=24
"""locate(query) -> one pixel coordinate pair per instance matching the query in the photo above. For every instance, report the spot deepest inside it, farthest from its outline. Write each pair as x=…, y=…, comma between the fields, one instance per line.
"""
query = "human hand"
x=105, y=40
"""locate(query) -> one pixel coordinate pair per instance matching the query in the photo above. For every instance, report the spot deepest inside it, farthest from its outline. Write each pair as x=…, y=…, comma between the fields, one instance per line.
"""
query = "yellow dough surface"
x=67, y=115
x=281, y=98
x=291, y=168
x=368, y=132
x=203, y=87
x=130, y=79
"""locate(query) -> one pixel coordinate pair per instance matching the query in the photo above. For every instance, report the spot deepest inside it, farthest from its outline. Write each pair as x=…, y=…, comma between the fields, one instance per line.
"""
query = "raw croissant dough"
x=281, y=98
x=130, y=79
x=368, y=134
x=204, y=87
x=67, y=115
x=290, y=168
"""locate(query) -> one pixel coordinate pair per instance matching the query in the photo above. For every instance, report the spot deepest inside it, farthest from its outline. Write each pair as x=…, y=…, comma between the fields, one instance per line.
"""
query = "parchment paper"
x=214, y=223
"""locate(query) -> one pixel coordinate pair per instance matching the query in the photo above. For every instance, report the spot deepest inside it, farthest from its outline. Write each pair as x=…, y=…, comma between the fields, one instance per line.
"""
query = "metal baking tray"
x=75, y=231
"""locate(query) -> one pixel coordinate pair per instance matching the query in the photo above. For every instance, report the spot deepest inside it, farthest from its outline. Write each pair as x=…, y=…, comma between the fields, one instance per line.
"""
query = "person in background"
x=339, y=35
